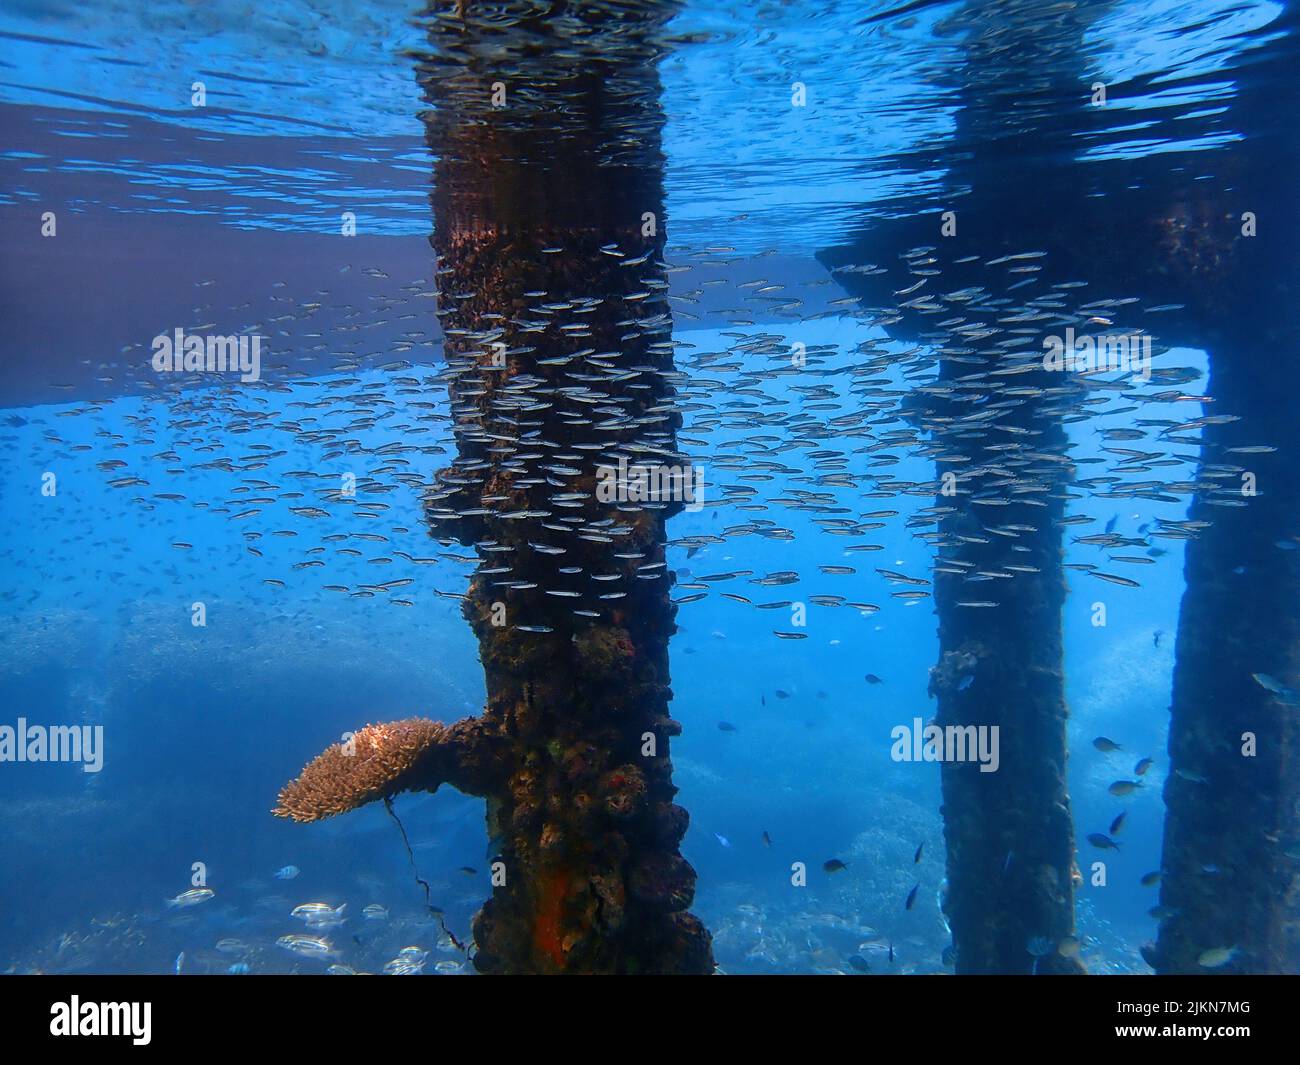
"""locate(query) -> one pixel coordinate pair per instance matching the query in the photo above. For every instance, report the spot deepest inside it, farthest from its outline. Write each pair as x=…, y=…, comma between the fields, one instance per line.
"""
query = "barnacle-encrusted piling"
x=548, y=231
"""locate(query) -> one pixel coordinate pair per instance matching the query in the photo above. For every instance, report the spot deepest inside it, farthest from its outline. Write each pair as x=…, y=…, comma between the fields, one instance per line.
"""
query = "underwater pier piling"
x=1230, y=867
x=548, y=230
x=1232, y=794
x=1009, y=834
x=1229, y=888
x=1011, y=870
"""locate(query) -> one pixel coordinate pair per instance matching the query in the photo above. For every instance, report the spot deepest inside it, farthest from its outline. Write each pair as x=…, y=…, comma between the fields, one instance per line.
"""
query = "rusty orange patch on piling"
x=548, y=935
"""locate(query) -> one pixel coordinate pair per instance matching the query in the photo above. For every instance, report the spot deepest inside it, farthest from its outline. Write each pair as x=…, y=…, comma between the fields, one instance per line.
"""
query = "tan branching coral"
x=379, y=761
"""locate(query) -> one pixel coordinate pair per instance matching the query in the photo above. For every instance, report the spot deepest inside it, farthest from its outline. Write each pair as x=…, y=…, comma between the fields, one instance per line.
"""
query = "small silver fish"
x=193, y=897
x=308, y=946
x=320, y=914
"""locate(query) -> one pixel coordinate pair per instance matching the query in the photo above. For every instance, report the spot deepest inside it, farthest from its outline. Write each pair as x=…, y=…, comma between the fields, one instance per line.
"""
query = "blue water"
x=227, y=217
